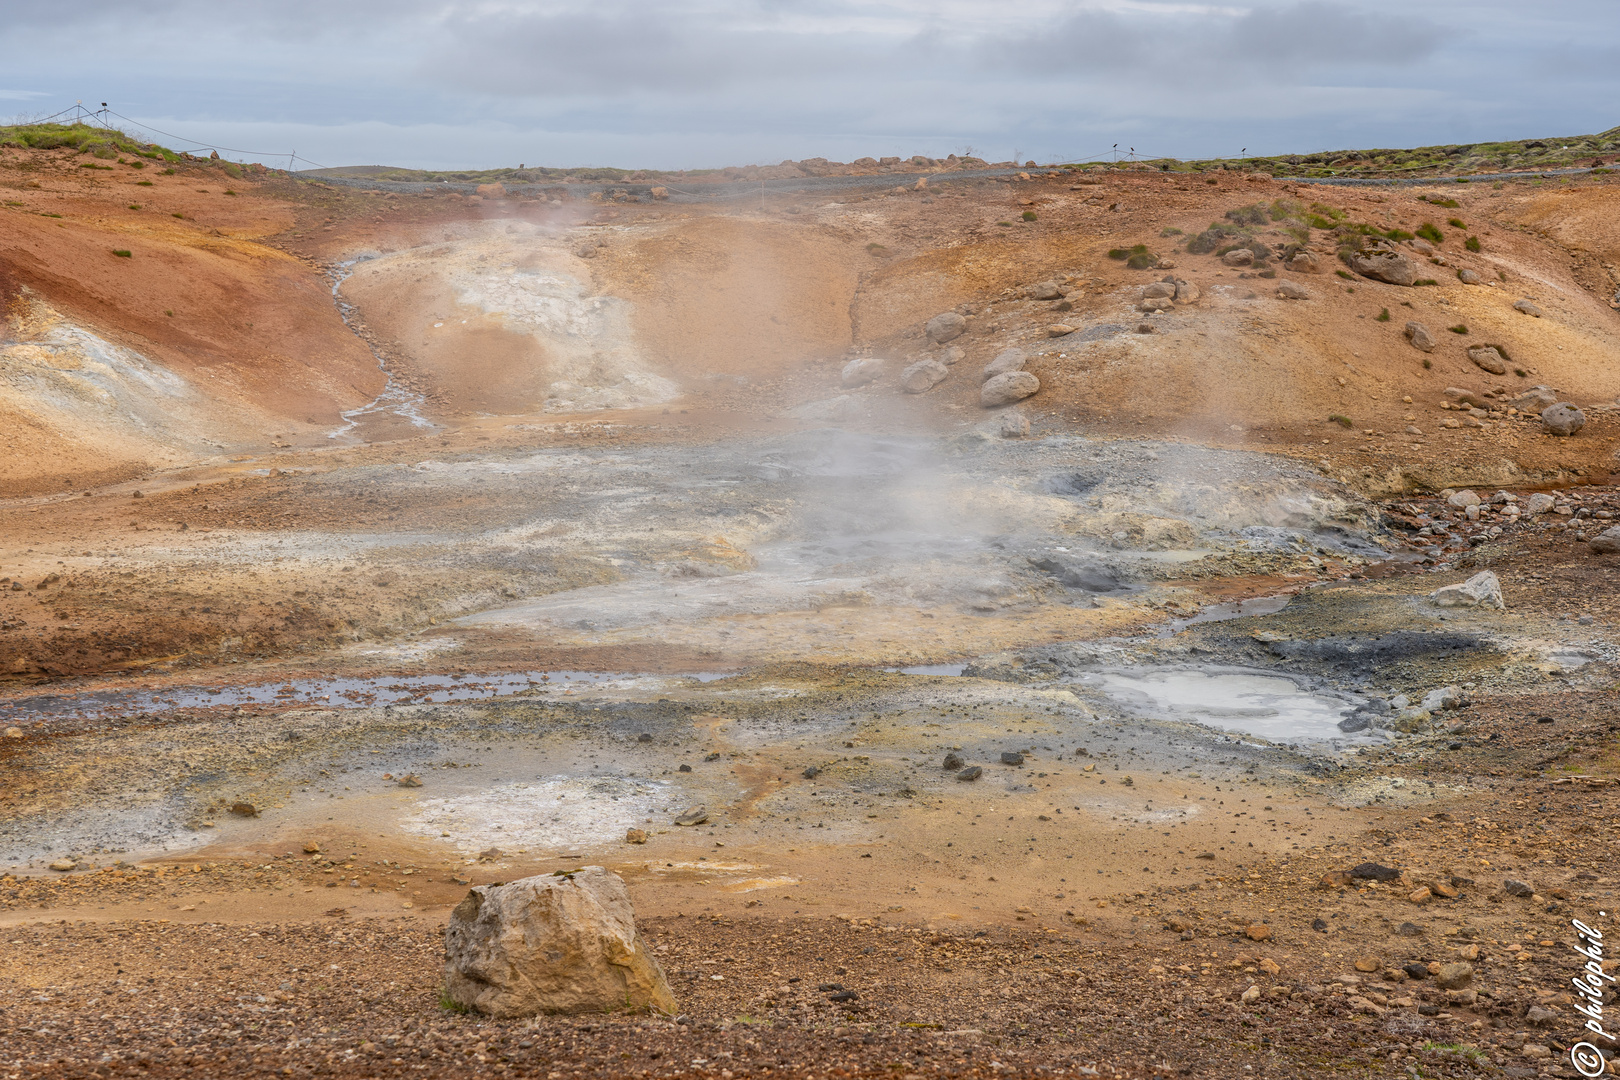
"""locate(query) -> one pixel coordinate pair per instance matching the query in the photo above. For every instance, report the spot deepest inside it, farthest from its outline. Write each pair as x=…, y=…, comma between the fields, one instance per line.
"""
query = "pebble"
x=1011, y=757
x=1517, y=888
x=953, y=762
x=697, y=815
x=972, y=772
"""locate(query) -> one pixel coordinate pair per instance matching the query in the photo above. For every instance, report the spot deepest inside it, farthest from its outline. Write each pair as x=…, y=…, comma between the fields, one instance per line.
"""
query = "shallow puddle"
x=1271, y=707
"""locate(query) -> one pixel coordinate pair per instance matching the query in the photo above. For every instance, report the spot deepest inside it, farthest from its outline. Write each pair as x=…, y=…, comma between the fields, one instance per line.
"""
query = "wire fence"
x=77, y=113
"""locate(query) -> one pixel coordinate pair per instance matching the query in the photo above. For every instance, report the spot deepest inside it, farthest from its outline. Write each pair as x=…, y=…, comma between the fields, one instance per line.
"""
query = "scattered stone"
x=644, y=737
x=1238, y=257
x=1539, y=503
x=1416, y=971
x=14, y=733
x=946, y=326
x=1356, y=721
x=64, y=865
x=1252, y=994
x=923, y=376
x=811, y=772
x=1419, y=336
x=860, y=371
x=1409, y=929
x=697, y=815
x=556, y=943
x=1421, y=246
x=1464, y=998
x=1007, y=388
x=409, y=780
x=1517, y=888
x=972, y=772
x=1454, y=976
x=1319, y=925
x=1488, y=359
x=1187, y=292
x=685, y=768
x=1606, y=542
x=1372, y=871
x=635, y=836
x=1270, y=966
x=1563, y=418
x=244, y=809
x=1006, y=360
x=1382, y=265
x=1060, y=330
x=1258, y=932
x=1464, y=499
x=1011, y=757
x=1535, y=399
x=1335, y=879
x=1288, y=290
x=1303, y=262
x=1539, y=1017
x=490, y=854
x=312, y=848
x=1469, y=277
x=1014, y=425
x=1481, y=590
x=1528, y=307
x=1045, y=290
x=1536, y=1051
x=952, y=762
x=1158, y=296
x=951, y=356
x=1368, y=963
x=1469, y=952
x=1446, y=697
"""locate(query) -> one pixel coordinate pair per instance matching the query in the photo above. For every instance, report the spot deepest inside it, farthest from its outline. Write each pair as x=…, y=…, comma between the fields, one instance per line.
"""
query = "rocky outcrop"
x=559, y=943
x=1382, y=265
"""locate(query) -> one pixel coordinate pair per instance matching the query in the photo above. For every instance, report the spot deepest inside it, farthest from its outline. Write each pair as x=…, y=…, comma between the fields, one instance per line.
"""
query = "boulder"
x=1007, y=388
x=1606, y=542
x=1390, y=266
x=923, y=376
x=1481, y=590
x=1527, y=307
x=1187, y=292
x=1045, y=290
x=1287, y=290
x=1006, y=360
x=1455, y=975
x=1563, y=418
x=1539, y=503
x=1419, y=336
x=946, y=326
x=1158, y=289
x=1468, y=277
x=557, y=943
x=1534, y=399
x=1238, y=257
x=1303, y=262
x=1488, y=359
x=1462, y=500
x=860, y=371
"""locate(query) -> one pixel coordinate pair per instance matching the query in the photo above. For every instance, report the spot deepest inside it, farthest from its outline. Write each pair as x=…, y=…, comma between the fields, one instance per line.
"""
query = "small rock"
x=946, y=326
x=1419, y=336
x=1463, y=499
x=312, y=848
x=1368, y=963
x=1488, y=359
x=64, y=865
x=1319, y=925
x=1446, y=697
x=1006, y=360
x=1045, y=290
x=1258, y=932
x=972, y=772
x=684, y=768
x=923, y=376
x=243, y=809
x=1421, y=895
x=1454, y=976
x=1462, y=997
x=1060, y=330
x=1334, y=879
x=1421, y=246
x=490, y=854
x=1270, y=966
x=1528, y=307
x=1536, y=1051
x=1468, y=277
x=1008, y=388
x=1288, y=290
x=14, y=733
x=951, y=356
x=810, y=772
x=1303, y=263
x=1539, y=503
x=1014, y=425
x=1606, y=542
x=1011, y=757
x=555, y=943
x=644, y=737
x=1238, y=257
x=1252, y=994
x=1517, y=888
x=1534, y=399
x=1481, y=590
x=1160, y=290
x=1539, y=1017
x=1372, y=871
x=952, y=762
x=1408, y=929
x=1187, y=292
x=1469, y=952
x=1563, y=418
x=635, y=836
x=860, y=371
x=1416, y=971
x=409, y=780
x=697, y=815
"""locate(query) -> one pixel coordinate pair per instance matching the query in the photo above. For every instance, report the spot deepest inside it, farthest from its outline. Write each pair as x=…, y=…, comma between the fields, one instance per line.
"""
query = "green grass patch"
x=449, y=1004
x=93, y=165
x=1427, y=363
x=122, y=253
x=1472, y=243
x=143, y=183
x=134, y=206
x=1502, y=349
x=177, y=214
x=1397, y=234
x=1170, y=230
x=1347, y=275
x=1425, y=281
x=1601, y=172
x=1028, y=215
x=1383, y=315
x=1005, y=224
x=1342, y=420
x=50, y=215
x=1458, y=329
x=228, y=191
x=1450, y=204
x=1457, y=223
x=1430, y=232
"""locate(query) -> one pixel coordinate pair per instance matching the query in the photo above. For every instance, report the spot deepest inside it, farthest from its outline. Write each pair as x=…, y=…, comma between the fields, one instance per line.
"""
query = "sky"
x=705, y=83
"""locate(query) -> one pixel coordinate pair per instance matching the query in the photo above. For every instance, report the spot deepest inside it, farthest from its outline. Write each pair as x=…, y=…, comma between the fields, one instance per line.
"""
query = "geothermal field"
x=996, y=621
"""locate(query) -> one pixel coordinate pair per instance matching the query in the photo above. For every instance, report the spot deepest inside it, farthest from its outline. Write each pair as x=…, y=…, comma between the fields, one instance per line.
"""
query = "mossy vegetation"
x=1430, y=232
x=105, y=144
x=1472, y=243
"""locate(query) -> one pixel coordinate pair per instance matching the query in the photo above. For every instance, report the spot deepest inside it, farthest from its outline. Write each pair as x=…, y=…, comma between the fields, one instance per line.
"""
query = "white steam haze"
x=704, y=83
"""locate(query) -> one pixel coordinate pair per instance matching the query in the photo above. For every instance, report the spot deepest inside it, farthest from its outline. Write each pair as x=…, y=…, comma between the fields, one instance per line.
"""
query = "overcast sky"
x=699, y=83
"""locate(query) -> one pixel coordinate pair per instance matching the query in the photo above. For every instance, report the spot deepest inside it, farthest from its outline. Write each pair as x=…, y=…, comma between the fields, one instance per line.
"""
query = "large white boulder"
x=1481, y=590
x=558, y=943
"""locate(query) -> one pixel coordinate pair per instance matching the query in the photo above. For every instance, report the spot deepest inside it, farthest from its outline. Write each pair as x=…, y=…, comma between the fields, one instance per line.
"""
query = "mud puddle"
x=1270, y=707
